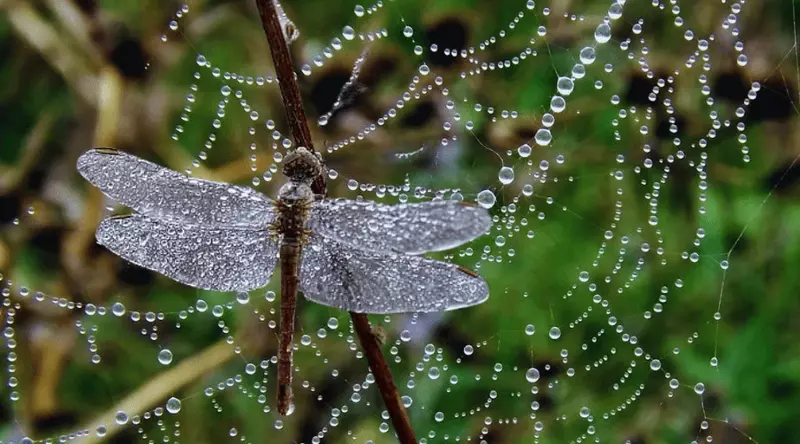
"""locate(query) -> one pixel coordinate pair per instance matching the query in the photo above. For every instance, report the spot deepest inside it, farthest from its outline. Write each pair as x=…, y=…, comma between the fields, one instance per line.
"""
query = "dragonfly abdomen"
x=291, y=227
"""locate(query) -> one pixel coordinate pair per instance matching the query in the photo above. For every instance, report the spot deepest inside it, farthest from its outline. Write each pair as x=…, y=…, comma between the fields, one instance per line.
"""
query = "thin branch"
x=383, y=377
x=298, y=123
x=287, y=81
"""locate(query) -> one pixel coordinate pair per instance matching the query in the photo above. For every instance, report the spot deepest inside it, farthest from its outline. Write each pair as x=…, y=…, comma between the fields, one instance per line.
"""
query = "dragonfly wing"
x=168, y=195
x=406, y=228
x=207, y=258
x=367, y=281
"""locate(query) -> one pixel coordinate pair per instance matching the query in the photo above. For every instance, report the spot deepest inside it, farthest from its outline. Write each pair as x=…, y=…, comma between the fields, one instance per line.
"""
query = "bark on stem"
x=383, y=377
x=298, y=123
x=287, y=82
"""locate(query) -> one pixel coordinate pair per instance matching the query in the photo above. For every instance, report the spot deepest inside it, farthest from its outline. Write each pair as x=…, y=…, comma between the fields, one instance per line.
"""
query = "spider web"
x=608, y=264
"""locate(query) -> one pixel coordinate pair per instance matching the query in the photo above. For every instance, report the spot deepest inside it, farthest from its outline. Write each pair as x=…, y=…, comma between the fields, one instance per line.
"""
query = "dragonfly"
x=353, y=255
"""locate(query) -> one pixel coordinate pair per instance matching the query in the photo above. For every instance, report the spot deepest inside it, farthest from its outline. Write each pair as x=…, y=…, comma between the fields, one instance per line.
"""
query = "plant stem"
x=298, y=123
x=383, y=377
x=287, y=82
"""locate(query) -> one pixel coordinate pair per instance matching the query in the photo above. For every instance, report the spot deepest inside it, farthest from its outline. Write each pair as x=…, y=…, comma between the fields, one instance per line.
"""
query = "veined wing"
x=168, y=195
x=207, y=258
x=367, y=281
x=406, y=228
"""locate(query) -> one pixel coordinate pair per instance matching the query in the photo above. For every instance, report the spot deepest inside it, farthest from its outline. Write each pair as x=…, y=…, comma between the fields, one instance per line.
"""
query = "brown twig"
x=383, y=377
x=287, y=82
x=296, y=117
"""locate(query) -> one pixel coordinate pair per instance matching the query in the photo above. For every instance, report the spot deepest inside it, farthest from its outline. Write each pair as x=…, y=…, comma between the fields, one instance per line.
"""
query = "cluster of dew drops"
x=518, y=165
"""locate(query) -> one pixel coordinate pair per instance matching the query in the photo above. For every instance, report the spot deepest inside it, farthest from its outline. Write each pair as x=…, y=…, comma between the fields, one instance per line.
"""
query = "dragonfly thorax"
x=294, y=194
x=301, y=165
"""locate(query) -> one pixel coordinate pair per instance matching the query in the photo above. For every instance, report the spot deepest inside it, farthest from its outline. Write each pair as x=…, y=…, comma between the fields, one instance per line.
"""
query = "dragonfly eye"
x=301, y=165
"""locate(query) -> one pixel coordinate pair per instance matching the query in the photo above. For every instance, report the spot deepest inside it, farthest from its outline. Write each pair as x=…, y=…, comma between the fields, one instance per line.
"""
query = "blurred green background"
x=84, y=73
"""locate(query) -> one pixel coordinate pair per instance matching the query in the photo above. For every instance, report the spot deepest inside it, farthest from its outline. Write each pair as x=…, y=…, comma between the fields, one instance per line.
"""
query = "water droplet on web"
x=506, y=175
x=242, y=297
x=486, y=199
x=558, y=104
x=468, y=350
x=602, y=34
x=655, y=365
x=333, y=323
x=554, y=333
x=530, y=329
x=121, y=418
x=532, y=375
x=543, y=137
x=173, y=405
x=565, y=85
x=433, y=373
x=118, y=309
x=584, y=412
x=348, y=32
x=699, y=388
x=165, y=357
x=524, y=150
x=438, y=417
x=588, y=55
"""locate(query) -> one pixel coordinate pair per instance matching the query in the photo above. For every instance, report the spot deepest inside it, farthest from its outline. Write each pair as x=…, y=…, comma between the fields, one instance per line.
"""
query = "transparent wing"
x=367, y=281
x=207, y=258
x=407, y=228
x=168, y=195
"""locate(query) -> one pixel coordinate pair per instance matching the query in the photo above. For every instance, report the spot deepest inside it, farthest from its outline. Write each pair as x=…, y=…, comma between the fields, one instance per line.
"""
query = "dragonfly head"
x=296, y=193
x=301, y=165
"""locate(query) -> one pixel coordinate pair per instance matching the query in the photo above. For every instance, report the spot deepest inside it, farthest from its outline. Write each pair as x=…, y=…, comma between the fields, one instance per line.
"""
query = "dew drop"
x=486, y=199
x=118, y=309
x=699, y=388
x=543, y=137
x=555, y=333
x=165, y=357
x=173, y=405
x=602, y=34
x=333, y=323
x=506, y=175
x=655, y=365
x=565, y=85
